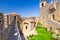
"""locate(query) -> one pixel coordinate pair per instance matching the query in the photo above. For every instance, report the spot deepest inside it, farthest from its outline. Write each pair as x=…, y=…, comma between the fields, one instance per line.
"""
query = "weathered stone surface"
x=50, y=11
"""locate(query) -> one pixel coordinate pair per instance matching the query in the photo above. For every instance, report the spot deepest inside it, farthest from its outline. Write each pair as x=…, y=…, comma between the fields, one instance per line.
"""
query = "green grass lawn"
x=43, y=34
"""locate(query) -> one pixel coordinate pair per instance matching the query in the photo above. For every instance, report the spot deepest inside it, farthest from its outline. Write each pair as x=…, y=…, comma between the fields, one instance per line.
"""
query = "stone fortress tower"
x=50, y=15
x=43, y=12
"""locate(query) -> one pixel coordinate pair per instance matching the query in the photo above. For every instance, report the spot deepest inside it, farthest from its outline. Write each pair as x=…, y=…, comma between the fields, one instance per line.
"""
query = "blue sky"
x=21, y=7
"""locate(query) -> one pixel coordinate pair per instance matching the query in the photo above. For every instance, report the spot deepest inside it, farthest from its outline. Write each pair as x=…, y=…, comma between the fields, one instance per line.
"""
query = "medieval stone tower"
x=43, y=12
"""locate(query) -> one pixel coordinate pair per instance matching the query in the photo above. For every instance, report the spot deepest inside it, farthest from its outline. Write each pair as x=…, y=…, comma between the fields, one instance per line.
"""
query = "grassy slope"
x=42, y=34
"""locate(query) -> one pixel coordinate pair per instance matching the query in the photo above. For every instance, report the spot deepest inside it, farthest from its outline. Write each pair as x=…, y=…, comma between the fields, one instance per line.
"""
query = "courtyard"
x=43, y=34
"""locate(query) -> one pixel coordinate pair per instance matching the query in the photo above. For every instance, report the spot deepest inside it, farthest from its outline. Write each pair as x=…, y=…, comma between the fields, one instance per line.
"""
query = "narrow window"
x=53, y=17
x=26, y=27
x=42, y=4
x=14, y=17
x=50, y=28
x=57, y=28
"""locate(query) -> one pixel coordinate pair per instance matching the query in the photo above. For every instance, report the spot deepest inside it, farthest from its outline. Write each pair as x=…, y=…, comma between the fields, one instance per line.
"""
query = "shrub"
x=30, y=37
x=39, y=23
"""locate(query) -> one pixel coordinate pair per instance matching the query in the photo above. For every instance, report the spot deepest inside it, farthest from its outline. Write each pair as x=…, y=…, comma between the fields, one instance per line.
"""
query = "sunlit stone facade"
x=50, y=15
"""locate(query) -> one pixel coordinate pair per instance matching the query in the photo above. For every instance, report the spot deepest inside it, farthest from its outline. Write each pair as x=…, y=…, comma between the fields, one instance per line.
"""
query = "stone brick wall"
x=49, y=12
x=1, y=26
x=54, y=25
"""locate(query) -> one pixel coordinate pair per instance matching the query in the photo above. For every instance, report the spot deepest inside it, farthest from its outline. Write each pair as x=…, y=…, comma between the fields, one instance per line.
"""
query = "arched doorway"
x=26, y=25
